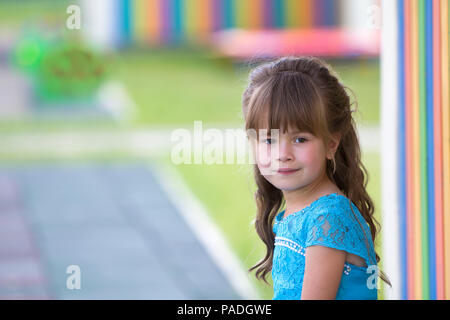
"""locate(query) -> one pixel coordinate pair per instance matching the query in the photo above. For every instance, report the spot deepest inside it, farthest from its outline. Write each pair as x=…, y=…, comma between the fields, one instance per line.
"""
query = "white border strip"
x=205, y=229
x=92, y=142
x=389, y=148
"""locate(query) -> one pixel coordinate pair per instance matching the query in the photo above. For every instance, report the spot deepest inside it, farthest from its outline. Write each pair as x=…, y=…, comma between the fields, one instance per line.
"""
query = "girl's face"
x=301, y=152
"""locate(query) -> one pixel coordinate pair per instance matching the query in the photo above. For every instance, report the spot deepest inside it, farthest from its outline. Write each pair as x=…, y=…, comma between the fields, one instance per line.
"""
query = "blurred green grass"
x=180, y=86
x=177, y=87
x=188, y=85
x=16, y=14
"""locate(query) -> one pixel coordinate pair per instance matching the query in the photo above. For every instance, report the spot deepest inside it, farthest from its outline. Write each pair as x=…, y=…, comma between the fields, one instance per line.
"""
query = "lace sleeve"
x=334, y=228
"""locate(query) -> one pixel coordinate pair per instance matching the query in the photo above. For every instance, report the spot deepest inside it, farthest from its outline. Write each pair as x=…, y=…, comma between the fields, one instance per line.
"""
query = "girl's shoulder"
x=333, y=203
x=335, y=208
x=337, y=222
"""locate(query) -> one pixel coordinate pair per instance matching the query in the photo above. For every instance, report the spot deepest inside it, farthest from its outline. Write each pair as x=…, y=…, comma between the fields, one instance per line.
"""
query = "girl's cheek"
x=263, y=155
x=267, y=160
x=313, y=156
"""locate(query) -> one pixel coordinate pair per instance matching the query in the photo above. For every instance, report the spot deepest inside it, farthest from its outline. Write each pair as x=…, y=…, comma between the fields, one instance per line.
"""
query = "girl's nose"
x=284, y=151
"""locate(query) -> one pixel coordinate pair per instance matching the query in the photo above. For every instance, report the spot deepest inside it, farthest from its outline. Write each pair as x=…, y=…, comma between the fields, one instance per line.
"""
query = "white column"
x=390, y=148
x=99, y=23
x=357, y=14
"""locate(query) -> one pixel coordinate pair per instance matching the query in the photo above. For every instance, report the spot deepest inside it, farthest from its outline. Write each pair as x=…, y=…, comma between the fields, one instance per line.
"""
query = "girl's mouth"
x=287, y=171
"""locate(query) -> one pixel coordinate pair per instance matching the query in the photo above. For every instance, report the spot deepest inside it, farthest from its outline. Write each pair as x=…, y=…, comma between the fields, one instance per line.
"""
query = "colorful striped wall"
x=173, y=21
x=420, y=105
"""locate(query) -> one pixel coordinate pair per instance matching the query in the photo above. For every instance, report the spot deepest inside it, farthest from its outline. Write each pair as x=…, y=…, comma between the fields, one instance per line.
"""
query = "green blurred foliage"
x=70, y=70
x=62, y=68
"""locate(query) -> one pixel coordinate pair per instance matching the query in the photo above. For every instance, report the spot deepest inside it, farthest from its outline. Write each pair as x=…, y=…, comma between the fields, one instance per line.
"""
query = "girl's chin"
x=289, y=189
x=285, y=186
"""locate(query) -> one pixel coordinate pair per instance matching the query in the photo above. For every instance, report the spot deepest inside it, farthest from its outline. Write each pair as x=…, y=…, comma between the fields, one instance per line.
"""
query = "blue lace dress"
x=329, y=222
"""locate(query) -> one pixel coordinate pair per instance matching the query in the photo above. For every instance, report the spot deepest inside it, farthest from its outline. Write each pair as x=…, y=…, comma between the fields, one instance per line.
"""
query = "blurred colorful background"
x=90, y=94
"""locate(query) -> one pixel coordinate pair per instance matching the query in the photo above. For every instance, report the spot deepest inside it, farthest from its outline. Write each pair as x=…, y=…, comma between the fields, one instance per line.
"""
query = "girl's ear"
x=333, y=144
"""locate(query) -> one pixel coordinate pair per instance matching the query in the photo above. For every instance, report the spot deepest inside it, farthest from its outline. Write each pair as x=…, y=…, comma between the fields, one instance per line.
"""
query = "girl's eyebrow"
x=291, y=133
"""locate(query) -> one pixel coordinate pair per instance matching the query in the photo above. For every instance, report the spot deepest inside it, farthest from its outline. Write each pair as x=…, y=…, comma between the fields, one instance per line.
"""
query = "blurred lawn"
x=181, y=86
x=177, y=87
x=14, y=13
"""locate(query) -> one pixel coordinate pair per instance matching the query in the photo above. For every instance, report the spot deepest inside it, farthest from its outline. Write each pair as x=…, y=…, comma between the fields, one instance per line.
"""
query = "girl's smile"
x=287, y=171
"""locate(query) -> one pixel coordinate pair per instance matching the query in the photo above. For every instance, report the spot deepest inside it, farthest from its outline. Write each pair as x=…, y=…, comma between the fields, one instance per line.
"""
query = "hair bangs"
x=287, y=102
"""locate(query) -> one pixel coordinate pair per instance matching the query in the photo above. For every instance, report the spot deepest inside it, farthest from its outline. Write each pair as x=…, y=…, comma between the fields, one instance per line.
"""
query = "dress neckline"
x=280, y=217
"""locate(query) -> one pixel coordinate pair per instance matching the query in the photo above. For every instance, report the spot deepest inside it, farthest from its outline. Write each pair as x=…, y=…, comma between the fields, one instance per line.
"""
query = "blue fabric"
x=329, y=222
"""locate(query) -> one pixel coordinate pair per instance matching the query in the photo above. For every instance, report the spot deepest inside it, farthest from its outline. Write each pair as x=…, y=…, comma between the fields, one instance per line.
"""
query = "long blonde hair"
x=304, y=93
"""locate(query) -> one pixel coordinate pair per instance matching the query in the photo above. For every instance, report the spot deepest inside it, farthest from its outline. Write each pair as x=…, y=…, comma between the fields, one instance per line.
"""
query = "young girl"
x=321, y=246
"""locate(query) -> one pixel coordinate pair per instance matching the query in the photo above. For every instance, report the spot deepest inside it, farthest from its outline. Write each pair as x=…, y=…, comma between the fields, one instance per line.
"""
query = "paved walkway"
x=113, y=221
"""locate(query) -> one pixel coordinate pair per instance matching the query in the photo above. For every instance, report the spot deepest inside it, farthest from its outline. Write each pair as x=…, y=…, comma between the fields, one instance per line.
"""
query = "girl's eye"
x=302, y=140
x=268, y=141
x=272, y=141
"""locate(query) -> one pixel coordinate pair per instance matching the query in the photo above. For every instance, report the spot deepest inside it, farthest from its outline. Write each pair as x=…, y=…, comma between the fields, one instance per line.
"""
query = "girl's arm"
x=323, y=271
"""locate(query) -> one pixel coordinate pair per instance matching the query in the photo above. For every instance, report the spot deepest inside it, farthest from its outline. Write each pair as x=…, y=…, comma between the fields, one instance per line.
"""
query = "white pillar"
x=356, y=14
x=390, y=148
x=99, y=23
